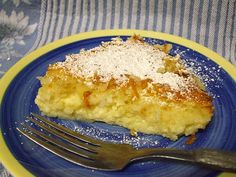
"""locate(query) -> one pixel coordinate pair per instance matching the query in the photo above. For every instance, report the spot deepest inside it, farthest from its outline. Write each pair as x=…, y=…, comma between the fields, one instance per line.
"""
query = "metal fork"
x=100, y=155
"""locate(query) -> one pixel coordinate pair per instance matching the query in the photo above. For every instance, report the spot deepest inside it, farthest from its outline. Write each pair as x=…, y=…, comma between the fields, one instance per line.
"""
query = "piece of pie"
x=128, y=83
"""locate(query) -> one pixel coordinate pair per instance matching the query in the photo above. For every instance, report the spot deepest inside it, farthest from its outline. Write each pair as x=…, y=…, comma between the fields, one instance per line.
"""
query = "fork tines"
x=62, y=141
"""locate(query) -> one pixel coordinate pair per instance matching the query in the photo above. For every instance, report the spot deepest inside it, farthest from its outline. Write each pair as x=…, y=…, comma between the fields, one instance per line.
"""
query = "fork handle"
x=215, y=159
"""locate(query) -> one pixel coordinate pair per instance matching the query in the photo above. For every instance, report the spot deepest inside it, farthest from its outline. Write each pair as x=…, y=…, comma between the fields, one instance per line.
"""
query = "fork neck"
x=163, y=153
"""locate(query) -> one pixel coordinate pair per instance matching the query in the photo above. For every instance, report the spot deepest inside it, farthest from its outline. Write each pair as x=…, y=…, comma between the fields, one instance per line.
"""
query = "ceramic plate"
x=19, y=86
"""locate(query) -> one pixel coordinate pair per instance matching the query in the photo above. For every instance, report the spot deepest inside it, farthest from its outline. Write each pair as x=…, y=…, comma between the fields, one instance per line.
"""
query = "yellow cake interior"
x=138, y=104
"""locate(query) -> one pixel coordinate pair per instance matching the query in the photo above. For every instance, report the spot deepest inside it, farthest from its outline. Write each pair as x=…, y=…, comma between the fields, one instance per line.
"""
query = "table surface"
x=26, y=25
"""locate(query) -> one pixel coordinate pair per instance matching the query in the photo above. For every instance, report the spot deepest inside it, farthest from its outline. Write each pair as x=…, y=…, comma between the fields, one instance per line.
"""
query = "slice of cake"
x=128, y=83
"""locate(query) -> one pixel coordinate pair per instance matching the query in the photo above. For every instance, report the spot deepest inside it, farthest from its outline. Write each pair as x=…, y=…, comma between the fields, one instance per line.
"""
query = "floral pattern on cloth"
x=4, y=172
x=17, y=2
x=13, y=29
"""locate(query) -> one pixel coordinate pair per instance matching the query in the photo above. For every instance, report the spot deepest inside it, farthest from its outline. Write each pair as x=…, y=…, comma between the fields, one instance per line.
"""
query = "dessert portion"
x=128, y=83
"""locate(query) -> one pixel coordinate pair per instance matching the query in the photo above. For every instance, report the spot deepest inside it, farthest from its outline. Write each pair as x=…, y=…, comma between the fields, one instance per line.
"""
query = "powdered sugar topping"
x=117, y=59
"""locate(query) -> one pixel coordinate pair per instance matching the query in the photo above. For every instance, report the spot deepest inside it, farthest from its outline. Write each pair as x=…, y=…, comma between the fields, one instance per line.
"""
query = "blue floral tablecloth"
x=25, y=25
